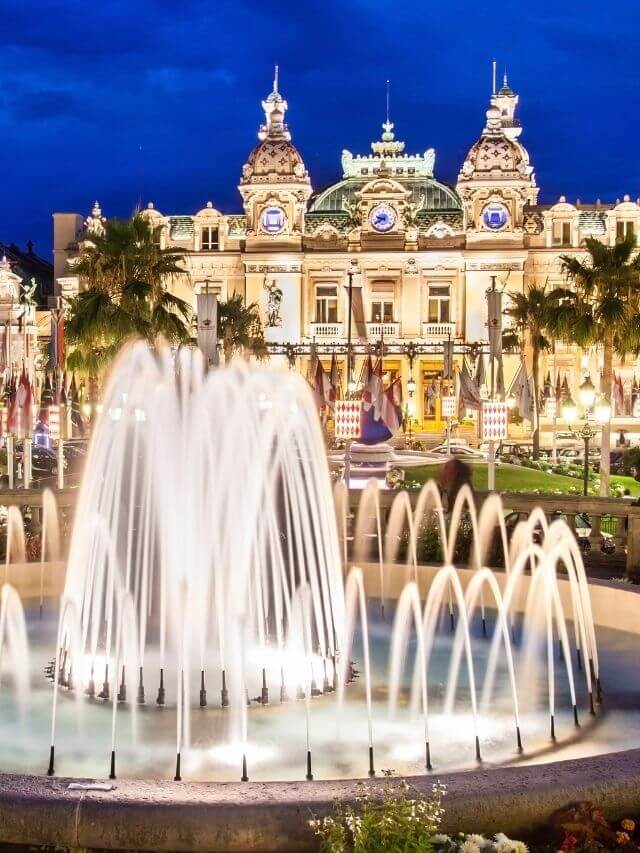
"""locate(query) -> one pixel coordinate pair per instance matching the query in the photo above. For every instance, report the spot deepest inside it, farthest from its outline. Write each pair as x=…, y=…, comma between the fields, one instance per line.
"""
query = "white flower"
x=507, y=845
x=441, y=839
x=480, y=840
x=468, y=846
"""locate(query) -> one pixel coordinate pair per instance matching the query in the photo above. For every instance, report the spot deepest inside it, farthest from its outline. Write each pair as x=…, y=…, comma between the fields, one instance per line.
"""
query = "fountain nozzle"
x=161, y=691
x=141, y=689
x=553, y=728
x=427, y=751
x=224, y=693
x=283, y=690
x=326, y=687
x=203, y=692
x=51, y=768
x=309, y=776
x=245, y=776
x=91, y=688
x=112, y=770
x=104, y=693
x=122, y=692
x=519, y=740
x=478, y=755
x=177, y=777
x=264, y=693
x=372, y=770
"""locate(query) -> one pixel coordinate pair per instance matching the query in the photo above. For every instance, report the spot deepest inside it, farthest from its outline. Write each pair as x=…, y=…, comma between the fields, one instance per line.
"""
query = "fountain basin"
x=270, y=816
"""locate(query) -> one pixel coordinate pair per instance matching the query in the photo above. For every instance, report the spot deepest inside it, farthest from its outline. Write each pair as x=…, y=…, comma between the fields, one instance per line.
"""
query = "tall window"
x=382, y=310
x=623, y=229
x=562, y=233
x=327, y=303
x=439, y=303
x=209, y=238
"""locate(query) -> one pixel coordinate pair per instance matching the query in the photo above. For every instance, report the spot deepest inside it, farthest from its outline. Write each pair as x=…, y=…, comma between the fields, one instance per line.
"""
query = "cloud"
x=46, y=105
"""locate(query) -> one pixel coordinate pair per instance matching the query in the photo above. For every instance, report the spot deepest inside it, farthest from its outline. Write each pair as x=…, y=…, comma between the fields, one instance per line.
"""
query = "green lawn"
x=513, y=478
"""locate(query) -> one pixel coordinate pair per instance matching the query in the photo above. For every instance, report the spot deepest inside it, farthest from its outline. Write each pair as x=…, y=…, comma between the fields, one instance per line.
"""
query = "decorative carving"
x=274, y=302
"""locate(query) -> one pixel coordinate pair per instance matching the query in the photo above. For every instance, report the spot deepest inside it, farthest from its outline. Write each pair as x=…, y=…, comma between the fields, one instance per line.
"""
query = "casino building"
x=419, y=254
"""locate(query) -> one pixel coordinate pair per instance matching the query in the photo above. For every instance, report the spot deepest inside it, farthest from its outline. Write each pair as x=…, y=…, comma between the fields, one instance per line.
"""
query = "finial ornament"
x=388, y=101
x=276, y=71
x=494, y=66
x=505, y=82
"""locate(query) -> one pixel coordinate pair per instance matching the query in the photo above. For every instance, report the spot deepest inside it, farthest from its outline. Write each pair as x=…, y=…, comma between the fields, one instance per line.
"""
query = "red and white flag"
x=20, y=420
x=392, y=407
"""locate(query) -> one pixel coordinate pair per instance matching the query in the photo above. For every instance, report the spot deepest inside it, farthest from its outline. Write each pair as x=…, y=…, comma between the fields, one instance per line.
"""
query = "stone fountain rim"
x=273, y=816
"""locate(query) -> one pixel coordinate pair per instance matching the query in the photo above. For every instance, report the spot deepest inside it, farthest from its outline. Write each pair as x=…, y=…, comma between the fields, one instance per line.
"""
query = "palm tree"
x=535, y=315
x=124, y=274
x=240, y=329
x=605, y=311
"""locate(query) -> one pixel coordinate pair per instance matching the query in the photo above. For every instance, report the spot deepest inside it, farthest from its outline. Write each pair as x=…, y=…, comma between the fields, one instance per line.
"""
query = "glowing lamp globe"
x=569, y=411
x=587, y=392
x=603, y=411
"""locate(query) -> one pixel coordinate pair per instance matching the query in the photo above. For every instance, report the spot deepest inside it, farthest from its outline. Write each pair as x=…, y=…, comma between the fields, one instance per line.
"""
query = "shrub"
x=631, y=459
x=394, y=821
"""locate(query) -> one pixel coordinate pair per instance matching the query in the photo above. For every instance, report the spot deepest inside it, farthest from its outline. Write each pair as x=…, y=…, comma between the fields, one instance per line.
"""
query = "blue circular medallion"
x=272, y=220
x=495, y=216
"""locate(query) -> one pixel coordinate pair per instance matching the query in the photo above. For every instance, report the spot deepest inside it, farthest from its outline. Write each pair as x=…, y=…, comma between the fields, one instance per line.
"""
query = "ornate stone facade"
x=420, y=253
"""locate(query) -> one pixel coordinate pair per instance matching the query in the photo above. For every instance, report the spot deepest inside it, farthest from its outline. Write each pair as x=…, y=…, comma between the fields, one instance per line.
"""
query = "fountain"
x=224, y=617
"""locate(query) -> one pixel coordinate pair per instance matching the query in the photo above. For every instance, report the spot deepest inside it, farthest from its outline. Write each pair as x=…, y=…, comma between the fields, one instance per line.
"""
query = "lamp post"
x=601, y=412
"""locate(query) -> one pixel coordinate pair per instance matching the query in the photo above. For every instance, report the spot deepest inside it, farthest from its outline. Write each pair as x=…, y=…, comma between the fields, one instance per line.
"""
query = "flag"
x=375, y=391
x=60, y=346
x=334, y=381
x=521, y=390
x=494, y=305
x=20, y=416
x=447, y=369
x=469, y=394
x=547, y=390
x=207, y=315
x=392, y=406
x=481, y=375
x=500, y=379
x=321, y=385
x=618, y=394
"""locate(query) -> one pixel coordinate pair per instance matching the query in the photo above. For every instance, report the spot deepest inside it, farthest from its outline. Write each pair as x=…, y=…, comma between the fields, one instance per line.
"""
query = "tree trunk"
x=536, y=402
x=607, y=379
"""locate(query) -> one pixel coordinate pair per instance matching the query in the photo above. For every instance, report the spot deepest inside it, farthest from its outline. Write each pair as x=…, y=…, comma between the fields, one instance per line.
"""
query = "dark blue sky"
x=160, y=99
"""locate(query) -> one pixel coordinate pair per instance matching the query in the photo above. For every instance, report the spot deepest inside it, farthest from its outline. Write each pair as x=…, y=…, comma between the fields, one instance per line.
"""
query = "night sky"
x=159, y=100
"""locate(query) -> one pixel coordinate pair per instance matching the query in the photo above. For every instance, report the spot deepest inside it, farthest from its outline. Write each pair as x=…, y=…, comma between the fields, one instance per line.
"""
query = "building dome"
x=274, y=158
x=425, y=194
x=496, y=154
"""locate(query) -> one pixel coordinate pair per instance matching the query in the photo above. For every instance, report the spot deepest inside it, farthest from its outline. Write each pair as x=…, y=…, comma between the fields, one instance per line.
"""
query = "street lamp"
x=601, y=411
x=411, y=386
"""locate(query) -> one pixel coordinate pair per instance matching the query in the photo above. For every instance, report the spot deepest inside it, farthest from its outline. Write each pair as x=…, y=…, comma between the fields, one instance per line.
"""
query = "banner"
x=207, y=308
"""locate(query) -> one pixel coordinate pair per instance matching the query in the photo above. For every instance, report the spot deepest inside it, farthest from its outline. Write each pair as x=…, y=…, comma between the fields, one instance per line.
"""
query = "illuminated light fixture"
x=86, y=409
x=569, y=411
x=99, y=408
x=511, y=402
x=352, y=386
x=411, y=385
x=587, y=393
x=603, y=411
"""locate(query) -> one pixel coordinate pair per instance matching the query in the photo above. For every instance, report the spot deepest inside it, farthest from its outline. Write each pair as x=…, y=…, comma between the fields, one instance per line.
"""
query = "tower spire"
x=505, y=82
x=493, y=76
x=388, y=101
x=276, y=72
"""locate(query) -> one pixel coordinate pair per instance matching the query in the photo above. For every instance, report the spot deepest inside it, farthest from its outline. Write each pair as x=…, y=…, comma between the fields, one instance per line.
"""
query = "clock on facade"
x=272, y=220
x=383, y=217
x=495, y=216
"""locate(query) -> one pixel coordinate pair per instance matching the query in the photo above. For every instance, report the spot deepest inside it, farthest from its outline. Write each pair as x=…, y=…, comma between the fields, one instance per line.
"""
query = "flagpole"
x=347, y=447
x=491, y=469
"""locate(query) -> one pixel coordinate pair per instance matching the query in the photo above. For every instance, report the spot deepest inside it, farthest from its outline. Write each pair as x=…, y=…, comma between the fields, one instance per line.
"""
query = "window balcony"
x=438, y=330
x=375, y=331
x=325, y=330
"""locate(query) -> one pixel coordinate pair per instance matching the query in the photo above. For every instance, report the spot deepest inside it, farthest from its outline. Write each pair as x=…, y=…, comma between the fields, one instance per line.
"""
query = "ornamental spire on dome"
x=388, y=146
x=505, y=102
x=274, y=107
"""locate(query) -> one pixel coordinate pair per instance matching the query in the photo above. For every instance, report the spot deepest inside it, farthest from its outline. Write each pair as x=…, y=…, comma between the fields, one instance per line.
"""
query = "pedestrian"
x=455, y=474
